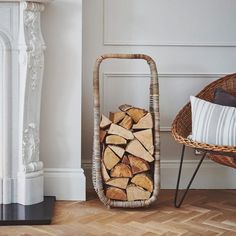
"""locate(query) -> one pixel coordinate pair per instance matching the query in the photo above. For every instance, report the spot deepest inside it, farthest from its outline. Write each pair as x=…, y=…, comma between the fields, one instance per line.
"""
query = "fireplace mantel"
x=19, y=1
x=21, y=73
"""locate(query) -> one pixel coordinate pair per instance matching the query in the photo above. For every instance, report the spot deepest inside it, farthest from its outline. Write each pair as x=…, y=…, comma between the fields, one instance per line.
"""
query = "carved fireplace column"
x=31, y=46
x=22, y=64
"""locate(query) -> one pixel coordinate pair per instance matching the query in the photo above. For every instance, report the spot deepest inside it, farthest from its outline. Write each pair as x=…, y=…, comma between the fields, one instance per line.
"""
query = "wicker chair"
x=182, y=126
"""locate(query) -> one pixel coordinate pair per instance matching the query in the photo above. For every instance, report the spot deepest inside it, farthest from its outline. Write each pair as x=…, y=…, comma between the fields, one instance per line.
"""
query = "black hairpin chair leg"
x=178, y=204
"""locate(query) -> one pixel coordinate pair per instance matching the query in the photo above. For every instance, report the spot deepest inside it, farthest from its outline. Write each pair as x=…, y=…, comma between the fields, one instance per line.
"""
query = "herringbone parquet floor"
x=205, y=212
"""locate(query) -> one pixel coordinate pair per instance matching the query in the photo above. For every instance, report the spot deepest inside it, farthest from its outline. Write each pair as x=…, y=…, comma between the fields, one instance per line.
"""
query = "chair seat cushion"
x=212, y=123
x=222, y=97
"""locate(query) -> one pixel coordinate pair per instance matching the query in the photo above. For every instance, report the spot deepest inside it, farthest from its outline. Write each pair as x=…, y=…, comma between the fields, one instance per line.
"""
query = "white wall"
x=193, y=43
x=61, y=100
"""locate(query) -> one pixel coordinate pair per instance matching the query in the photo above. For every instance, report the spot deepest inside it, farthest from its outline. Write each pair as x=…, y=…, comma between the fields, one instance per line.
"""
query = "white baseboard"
x=65, y=183
x=210, y=176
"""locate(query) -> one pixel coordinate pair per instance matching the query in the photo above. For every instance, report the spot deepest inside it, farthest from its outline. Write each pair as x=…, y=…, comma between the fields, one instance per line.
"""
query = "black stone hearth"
x=37, y=214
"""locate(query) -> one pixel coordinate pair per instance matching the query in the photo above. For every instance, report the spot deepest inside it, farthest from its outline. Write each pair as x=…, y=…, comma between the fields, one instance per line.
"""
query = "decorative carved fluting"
x=30, y=149
x=32, y=67
x=34, y=41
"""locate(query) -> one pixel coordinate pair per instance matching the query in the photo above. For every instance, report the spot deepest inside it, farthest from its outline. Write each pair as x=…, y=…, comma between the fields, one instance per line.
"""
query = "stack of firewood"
x=127, y=154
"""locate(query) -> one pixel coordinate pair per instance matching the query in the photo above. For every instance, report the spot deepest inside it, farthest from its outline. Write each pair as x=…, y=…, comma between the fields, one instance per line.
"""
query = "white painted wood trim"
x=166, y=75
x=168, y=44
x=65, y=183
x=158, y=43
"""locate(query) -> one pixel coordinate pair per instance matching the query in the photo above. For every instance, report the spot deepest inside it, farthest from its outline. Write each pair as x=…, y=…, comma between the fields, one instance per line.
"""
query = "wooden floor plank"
x=205, y=212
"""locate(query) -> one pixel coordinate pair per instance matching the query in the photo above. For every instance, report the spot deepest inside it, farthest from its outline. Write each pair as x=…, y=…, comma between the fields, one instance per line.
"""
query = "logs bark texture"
x=127, y=154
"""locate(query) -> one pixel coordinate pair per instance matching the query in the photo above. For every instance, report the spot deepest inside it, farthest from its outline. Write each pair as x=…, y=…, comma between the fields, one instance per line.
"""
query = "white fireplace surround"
x=21, y=73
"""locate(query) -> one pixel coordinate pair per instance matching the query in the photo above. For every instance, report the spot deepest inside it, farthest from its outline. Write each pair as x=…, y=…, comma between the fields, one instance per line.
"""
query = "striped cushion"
x=212, y=123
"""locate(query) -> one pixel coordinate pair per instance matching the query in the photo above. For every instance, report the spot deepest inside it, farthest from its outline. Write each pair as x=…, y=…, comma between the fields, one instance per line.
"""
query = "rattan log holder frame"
x=154, y=110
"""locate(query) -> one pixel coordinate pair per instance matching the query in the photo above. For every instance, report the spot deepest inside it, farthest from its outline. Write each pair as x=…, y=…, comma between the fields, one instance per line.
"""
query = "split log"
x=143, y=181
x=118, y=130
x=117, y=150
x=125, y=107
x=115, y=139
x=110, y=159
x=116, y=117
x=151, y=150
x=125, y=165
x=135, y=148
x=125, y=160
x=145, y=137
x=127, y=122
x=137, y=193
x=105, y=175
x=138, y=165
x=144, y=123
x=102, y=135
x=105, y=122
x=116, y=194
x=136, y=113
x=121, y=170
x=118, y=182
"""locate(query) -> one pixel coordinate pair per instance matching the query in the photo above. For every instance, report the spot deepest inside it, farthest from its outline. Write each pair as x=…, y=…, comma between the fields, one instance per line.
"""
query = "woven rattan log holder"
x=153, y=109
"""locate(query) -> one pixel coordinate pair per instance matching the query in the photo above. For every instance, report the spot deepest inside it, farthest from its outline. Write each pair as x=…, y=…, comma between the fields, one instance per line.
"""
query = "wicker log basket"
x=154, y=110
x=182, y=125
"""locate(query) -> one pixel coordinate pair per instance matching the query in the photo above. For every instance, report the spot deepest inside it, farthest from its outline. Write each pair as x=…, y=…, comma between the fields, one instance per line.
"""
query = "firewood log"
x=117, y=150
x=137, y=164
x=128, y=147
x=135, y=148
x=116, y=194
x=137, y=193
x=118, y=182
x=136, y=113
x=143, y=181
x=105, y=175
x=118, y=130
x=145, y=137
x=151, y=150
x=125, y=107
x=121, y=170
x=116, y=117
x=116, y=140
x=110, y=159
x=125, y=160
x=105, y=122
x=102, y=135
x=144, y=123
x=127, y=122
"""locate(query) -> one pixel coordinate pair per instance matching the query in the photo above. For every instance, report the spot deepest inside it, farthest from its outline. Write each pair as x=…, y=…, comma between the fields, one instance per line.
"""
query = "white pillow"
x=212, y=123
